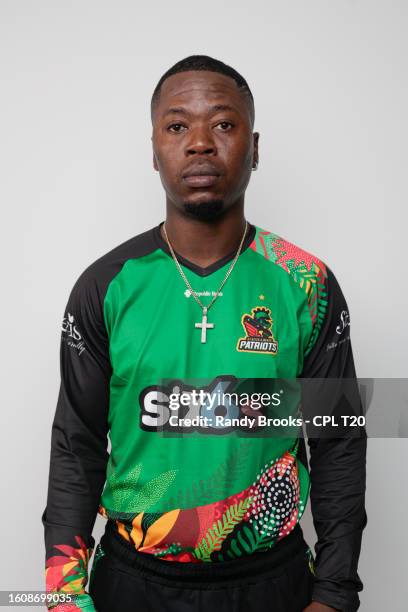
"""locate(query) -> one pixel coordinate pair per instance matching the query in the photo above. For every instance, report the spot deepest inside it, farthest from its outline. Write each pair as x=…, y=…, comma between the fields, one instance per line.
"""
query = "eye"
x=175, y=125
x=226, y=125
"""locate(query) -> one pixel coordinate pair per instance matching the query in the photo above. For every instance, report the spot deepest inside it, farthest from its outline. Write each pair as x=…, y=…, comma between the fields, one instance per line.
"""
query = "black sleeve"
x=79, y=454
x=337, y=464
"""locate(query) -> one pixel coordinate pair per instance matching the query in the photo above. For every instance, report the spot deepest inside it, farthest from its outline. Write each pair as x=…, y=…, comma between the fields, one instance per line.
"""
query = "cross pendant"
x=204, y=326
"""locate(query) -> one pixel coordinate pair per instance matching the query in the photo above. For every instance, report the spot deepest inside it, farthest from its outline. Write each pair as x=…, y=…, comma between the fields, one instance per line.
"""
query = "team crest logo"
x=258, y=332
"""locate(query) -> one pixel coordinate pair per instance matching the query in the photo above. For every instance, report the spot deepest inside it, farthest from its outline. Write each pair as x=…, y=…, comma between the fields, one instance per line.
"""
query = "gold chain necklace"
x=204, y=325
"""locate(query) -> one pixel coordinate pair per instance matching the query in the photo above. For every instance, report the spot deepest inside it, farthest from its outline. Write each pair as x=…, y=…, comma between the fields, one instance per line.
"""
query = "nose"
x=200, y=142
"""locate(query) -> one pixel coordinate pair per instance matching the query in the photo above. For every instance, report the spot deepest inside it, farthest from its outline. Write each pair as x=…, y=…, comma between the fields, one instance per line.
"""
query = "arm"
x=78, y=446
x=337, y=464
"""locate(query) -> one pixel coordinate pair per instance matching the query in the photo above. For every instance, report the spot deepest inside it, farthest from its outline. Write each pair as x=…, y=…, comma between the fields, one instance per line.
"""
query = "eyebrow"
x=213, y=109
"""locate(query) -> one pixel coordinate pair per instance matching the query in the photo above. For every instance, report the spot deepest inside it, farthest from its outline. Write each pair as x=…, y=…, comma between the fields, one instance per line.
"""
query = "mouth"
x=201, y=180
x=201, y=175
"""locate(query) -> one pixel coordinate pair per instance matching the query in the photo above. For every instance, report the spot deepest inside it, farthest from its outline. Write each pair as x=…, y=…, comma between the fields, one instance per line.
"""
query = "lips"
x=201, y=175
x=201, y=180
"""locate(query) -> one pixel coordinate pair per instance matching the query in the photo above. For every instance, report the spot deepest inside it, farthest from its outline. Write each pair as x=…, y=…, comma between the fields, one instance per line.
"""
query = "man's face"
x=203, y=145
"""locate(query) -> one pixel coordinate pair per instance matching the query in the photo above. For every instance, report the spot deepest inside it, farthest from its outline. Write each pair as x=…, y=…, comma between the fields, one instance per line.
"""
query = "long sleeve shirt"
x=186, y=489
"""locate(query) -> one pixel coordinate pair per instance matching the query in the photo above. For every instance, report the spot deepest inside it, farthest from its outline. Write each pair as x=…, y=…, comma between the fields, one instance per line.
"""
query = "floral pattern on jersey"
x=248, y=521
x=275, y=510
x=200, y=493
x=126, y=497
x=309, y=272
x=67, y=573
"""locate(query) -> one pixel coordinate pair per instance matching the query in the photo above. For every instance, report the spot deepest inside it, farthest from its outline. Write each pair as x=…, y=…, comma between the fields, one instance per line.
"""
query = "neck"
x=204, y=242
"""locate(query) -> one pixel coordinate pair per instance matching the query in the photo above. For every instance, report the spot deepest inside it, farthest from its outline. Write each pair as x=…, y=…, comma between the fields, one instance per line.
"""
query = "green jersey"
x=187, y=481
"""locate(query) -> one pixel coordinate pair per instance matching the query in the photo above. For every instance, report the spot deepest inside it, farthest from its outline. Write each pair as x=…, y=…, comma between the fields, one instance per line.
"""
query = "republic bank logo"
x=187, y=293
x=71, y=334
x=258, y=329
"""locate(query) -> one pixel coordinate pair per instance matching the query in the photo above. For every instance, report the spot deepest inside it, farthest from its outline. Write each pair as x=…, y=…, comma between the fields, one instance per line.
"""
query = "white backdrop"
x=330, y=87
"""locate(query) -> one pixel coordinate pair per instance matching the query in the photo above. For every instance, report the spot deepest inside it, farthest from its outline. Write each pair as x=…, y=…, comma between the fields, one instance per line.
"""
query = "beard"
x=206, y=211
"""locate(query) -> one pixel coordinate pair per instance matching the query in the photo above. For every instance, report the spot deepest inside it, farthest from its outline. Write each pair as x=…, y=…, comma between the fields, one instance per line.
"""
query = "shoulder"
x=309, y=272
x=96, y=277
x=325, y=302
x=85, y=305
x=303, y=267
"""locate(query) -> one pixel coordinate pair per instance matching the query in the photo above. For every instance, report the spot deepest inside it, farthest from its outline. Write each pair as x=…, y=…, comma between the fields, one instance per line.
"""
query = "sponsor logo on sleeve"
x=71, y=334
x=344, y=322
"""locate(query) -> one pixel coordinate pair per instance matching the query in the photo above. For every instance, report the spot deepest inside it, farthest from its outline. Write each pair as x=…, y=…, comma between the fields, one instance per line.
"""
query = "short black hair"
x=205, y=62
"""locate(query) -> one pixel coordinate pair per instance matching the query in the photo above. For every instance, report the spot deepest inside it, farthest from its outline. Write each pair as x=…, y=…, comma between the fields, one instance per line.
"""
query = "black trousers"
x=278, y=580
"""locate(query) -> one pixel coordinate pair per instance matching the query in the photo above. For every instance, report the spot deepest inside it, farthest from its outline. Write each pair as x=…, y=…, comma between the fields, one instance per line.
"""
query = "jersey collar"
x=216, y=265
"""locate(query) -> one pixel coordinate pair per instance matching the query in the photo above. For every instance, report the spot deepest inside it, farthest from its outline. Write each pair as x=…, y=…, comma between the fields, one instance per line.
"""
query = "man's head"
x=203, y=146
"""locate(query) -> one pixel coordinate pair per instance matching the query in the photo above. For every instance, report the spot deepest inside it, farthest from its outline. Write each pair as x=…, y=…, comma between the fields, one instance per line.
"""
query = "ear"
x=256, y=152
x=155, y=166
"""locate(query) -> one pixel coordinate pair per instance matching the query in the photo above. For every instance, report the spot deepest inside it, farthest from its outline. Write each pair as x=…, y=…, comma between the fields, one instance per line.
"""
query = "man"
x=199, y=514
